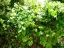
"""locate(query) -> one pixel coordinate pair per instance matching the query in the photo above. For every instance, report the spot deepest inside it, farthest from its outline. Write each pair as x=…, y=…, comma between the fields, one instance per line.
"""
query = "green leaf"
x=29, y=18
x=19, y=30
x=54, y=13
x=48, y=45
x=27, y=24
x=30, y=43
x=42, y=41
x=19, y=25
x=31, y=38
x=39, y=33
x=24, y=39
x=24, y=28
x=41, y=27
x=23, y=32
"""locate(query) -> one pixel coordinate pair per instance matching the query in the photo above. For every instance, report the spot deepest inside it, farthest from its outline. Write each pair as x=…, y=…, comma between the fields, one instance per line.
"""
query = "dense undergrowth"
x=29, y=24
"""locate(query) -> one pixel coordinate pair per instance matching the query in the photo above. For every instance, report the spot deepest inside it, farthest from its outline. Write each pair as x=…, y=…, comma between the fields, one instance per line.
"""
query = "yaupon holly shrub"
x=31, y=25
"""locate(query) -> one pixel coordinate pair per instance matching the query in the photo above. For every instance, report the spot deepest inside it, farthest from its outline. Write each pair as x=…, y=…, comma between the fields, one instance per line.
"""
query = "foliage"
x=59, y=0
x=24, y=26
